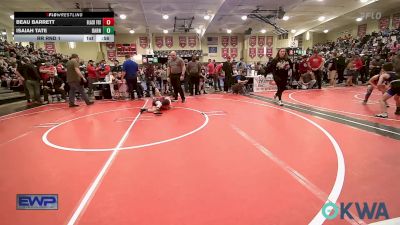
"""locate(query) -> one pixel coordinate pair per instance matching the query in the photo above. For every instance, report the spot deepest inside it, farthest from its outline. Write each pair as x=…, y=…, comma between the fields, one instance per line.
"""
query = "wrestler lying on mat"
x=159, y=103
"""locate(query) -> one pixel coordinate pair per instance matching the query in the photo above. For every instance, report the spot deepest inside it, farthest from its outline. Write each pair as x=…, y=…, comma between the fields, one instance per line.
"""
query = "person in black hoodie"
x=280, y=67
x=32, y=79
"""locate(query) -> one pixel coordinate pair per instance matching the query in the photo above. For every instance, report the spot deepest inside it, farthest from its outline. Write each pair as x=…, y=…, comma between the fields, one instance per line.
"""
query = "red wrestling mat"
x=216, y=159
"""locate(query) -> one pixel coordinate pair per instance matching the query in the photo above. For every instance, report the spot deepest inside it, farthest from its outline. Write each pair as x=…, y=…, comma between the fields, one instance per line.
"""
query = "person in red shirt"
x=103, y=69
x=315, y=63
x=212, y=73
x=303, y=65
x=45, y=71
x=218, y=74
x=358, y=64
x=92, y=76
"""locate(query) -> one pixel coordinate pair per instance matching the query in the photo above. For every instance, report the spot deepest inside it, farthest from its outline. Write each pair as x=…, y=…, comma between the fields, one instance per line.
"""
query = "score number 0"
x=108, y=21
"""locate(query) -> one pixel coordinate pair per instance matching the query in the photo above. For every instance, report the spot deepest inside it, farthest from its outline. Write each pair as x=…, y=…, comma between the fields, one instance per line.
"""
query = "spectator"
x=333, y=69
x=103, y=69
x=31, y=75
x=74, y=78
x=316, y=63
x=46, y=70
x=92, y=76
x=53, y=85
x=281, y=65
x=194, y=68
x=227, y=69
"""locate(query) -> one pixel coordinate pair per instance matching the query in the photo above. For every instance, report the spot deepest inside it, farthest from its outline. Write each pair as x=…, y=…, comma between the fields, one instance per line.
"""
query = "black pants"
x=281, y=83
x=176, y=84
x=132, y=87
x=227, y=83
x=340, y=71
x=194, y=80
x=318, y=77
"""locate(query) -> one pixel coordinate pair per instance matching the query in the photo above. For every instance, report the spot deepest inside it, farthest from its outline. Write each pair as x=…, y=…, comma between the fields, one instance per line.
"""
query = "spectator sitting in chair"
x=307, y=80
x=53, y=86
x=240, y=86
x=103, y=69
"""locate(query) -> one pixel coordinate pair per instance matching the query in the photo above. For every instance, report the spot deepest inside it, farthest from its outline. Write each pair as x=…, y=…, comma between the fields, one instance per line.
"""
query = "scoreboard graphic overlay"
x=64, y=26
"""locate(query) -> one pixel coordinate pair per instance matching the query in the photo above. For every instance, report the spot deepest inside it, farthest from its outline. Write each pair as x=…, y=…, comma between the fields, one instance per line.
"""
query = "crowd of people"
x=347, y=60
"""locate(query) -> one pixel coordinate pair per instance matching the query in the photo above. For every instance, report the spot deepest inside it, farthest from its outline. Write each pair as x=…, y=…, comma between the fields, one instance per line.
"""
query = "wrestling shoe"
x=382, y=115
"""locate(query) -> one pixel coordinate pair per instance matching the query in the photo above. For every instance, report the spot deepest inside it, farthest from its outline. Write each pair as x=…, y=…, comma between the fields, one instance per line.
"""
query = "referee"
x=176, y=72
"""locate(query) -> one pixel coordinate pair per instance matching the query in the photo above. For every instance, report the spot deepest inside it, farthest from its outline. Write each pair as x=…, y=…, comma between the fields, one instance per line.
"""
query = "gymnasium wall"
x=372, y=25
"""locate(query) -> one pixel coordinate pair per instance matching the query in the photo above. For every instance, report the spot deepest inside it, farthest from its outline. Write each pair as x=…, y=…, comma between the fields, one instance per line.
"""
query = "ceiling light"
x=320, y=0
x=3, y=33
x=326, y=31
x=12, y=17
x=229, y=31
x=165, y=16
x=263, y=31
x=244, y=17
x=131, y=31
x=198, y=31
x=12, y=32
x=293, y=31
x=321, y=18
x=286, y=18
x=122, y=16
x=359, y=19
x=207, y=17
x=165, y=31
x=363, y=1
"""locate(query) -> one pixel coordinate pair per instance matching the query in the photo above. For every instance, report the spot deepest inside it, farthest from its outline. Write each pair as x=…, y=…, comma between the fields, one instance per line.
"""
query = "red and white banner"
x=234, y=40
x=111, y=55
x=126, y=49
x=225, y=41
x=261, y=52
x=270, y=41
x=192, y=41
x=261, y=41
x=159, y=42
x=50, y=47
x=234, y=52
x=269, y=51
x=110, y=45
x=169, y=41
x=396, y=21
x=253, y=41
x=224, y=52
x=384, y=23
x=182, y=41
x=252, y=52
x=362, y=30
x=143, y=42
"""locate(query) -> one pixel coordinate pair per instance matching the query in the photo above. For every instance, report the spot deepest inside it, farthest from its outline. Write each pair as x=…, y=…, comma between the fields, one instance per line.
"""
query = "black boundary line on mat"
x=339, y=118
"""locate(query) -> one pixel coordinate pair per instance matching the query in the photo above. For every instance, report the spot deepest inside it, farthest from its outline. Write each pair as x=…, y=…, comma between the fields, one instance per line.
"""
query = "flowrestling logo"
x=371, y=15
x=37, y=201
x=376, y=210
